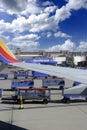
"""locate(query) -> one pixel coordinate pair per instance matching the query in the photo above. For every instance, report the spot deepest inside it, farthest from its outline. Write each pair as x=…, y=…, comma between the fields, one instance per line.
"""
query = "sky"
x=50, y=25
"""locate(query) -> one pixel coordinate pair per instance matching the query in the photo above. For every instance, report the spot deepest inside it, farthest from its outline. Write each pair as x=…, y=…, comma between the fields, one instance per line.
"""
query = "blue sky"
x=50, y=25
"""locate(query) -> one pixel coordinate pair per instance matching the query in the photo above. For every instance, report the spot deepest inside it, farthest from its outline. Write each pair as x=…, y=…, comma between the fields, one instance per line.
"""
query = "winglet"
x=6, y=55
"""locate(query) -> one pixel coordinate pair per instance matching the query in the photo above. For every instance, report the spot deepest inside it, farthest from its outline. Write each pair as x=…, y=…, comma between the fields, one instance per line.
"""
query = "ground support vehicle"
x=16, y=75
x=38, y=74
x=58, y=83
x=78, y=92
x=5, y=76
x=34, y=94
x=21, y=73
x=7, y=94
x=22, y=83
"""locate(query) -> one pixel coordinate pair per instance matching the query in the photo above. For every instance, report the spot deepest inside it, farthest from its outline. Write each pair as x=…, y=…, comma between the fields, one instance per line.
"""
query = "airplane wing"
x=62, y=72
x=7, y=57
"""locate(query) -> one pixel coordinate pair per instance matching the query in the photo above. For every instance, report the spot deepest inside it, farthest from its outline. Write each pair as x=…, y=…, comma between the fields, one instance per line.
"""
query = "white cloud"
x=5, y=38
x=41, y=21
x=68, y=45
x=13, y=6
x=38, y=19
x=65, y=11
x=82, y=46
x=25, y=43
x=29, y=37
x=47, y=3
x=19, y=24
x=50, y=9
x=24, y=46
x=62, y=14
x=34, y=23
x=31, y=8
x=4, y=26
x=76, y=4
x=19, y=6
x=61, y=34
x=49, y=34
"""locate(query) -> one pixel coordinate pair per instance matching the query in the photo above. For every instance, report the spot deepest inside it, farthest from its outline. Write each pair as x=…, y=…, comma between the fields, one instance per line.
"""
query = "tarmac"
x=37, y=116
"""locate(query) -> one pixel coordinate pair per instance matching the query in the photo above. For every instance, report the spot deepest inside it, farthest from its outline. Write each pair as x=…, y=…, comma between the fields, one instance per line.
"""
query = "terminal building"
x=74, y=59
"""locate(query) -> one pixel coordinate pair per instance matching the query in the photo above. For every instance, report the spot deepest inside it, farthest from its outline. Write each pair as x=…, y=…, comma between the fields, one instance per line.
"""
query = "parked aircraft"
x=7, y=57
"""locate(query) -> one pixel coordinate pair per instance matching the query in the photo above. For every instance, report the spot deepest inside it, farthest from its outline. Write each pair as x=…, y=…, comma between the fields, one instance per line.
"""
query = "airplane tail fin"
x=6, y=56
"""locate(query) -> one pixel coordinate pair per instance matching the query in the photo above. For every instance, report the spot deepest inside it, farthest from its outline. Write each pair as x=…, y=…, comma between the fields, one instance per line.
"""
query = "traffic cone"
x=21, y=102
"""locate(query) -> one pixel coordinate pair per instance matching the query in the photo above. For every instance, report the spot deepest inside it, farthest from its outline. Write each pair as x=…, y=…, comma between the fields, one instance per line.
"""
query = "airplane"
x=71, y=74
